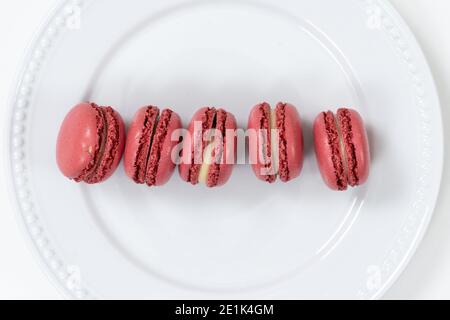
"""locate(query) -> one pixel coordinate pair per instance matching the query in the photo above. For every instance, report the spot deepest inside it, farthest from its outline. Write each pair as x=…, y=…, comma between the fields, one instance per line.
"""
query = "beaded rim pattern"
x=380, y=277
x=67, y=277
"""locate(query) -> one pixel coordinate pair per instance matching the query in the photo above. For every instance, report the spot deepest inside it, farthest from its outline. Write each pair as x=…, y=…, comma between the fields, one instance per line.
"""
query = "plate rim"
x=434, y=93
x=43, y=262
x=39, y=245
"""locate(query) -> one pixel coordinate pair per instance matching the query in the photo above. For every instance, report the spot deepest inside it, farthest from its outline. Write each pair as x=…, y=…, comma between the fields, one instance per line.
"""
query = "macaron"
x=342, y=148
x=151, y=139
x=209, y=148
x=275, y=142
x=90, y=143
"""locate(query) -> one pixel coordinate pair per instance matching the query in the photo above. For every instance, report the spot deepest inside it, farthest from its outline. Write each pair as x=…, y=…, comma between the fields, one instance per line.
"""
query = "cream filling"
x=207, y=161
x=275, y=144
x=207, y=157
x=342, y=146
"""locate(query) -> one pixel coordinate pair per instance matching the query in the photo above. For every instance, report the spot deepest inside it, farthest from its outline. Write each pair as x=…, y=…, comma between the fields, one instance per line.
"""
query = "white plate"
x=247, y=239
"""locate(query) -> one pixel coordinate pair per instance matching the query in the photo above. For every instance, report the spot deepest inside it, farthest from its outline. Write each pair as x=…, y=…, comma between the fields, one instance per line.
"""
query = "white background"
x=427, y=276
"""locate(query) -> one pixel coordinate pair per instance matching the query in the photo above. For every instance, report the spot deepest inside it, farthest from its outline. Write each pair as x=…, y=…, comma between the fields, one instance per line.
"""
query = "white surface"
x=277, y=241
x=420, y=279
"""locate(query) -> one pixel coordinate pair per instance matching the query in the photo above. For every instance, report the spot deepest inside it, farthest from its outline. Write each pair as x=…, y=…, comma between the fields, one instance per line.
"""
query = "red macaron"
x=150, y=142
x=342, y=148
x=275, y=142
x=209, y=148
x=90, y=143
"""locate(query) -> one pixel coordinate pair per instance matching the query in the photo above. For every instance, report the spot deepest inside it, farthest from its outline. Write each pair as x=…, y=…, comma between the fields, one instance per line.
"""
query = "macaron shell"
x=189, y=171
x=138, y=144
x=259, y=119
x=361, y=146
x=294, y=143
x=224, y=170
x=113, y=149
x=78, y=140
x=326, y=157
x=167, y=165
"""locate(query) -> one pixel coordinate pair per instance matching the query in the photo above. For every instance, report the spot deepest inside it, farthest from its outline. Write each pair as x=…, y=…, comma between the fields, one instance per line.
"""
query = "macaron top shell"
x=328, y=151
x=220, y=173
x=90, y=143
x=161, y=165
x=138, y=144
x=193, y=145
x=79, y=140
x=356, y=145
